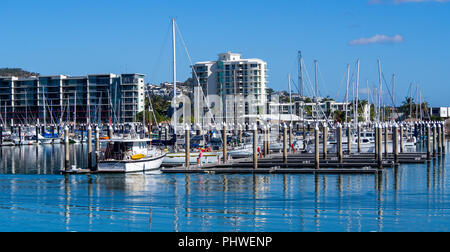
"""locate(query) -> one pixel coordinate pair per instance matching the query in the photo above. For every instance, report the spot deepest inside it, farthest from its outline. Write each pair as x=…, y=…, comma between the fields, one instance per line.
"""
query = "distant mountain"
x=17, y=72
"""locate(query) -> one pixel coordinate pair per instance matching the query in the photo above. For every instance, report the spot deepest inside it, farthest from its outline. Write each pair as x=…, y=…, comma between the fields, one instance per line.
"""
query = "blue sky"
x=411, y=37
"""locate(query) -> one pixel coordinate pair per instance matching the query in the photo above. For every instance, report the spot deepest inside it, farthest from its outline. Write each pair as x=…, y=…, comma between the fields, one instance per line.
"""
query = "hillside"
x=18, y=72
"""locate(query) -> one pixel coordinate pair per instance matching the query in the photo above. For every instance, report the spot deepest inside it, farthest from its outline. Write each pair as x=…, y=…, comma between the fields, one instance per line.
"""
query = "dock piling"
x=439, y=138
x=339, y=143
x=395, y=143
x=386, y=140
x=434, y=141
x=37, y=134
x=443, y=138
x=188, y=146
x=269, y=129
x=20, y=134
x=428, y=142
x=380, y=146
x=290, y=139
x=375, y=129
x=240, y=133
x=358, y=132
x=317, y=143
x=284, y=143
x=97, y=144
x=89, y=136
x=224, y=141
x=349, y=139
x=1, y=135
x=401, y=137
x=325, y=141
x=166, y=134
x=264, y=132
x=255, y=146
x=66, y=149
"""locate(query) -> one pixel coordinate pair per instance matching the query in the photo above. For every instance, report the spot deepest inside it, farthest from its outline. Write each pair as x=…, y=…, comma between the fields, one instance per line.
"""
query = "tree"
x=407, y=104
x=339, y=116
x=161, y=109
x=270, y=91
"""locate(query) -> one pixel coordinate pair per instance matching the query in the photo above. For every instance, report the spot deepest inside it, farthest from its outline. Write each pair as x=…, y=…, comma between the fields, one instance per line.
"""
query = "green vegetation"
x=161, y=109
x=410, y=107
x=18, y=72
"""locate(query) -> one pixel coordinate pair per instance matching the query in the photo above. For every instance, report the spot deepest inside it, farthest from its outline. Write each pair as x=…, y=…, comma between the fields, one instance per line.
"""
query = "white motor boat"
x=130, y=155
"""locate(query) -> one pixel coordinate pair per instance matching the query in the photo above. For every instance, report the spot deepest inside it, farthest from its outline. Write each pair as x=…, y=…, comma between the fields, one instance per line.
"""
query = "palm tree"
x=407, y=104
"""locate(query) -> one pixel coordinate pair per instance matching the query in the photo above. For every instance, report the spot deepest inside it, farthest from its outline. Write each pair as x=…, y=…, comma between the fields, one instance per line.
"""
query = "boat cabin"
x=118, y=149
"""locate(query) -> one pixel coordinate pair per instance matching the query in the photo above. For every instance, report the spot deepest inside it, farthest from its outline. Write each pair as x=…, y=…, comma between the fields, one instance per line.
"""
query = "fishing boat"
x=130, y=155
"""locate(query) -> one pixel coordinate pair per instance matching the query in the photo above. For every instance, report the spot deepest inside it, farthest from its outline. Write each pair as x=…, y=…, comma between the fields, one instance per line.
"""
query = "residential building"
x=61, y=98
x=442, y=112
x=230, y=89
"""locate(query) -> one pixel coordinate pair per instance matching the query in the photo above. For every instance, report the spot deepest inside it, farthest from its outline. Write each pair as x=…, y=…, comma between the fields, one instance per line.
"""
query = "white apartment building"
x=234, y=89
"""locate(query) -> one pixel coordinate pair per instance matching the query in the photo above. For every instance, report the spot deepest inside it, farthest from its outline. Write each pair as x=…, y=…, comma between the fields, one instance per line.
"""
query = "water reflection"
x=39, y=159
x=405, y=198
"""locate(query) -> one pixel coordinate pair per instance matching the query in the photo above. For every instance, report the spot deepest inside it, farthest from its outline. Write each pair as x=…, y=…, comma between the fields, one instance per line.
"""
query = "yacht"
x=130, y=155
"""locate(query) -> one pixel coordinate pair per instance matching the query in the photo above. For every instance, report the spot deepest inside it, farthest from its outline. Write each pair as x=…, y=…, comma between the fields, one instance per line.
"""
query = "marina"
x=132, y=152
x=235, y=118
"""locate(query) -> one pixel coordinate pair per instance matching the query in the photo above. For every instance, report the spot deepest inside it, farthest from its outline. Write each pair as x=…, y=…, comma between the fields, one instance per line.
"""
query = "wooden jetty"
x=302, y=163
x=325, y=162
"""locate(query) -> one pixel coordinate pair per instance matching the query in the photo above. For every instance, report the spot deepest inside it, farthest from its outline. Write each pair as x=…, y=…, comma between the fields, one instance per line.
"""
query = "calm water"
x=33, y=197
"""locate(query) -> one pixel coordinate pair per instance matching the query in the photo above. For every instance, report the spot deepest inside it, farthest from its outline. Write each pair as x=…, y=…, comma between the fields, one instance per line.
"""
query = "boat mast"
x=417, y=99
x=380, y=98
x=393, y=96
x=346, y=93
x=300, y=81
x=290, y=97
x=410, y=101
x=174, y=102
x=356, y=112
x=420, y=105
x=316, y=91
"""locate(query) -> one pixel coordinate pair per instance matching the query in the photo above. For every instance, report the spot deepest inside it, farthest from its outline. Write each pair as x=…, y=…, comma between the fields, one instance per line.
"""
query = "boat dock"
x=321, y=161
x=302, y=163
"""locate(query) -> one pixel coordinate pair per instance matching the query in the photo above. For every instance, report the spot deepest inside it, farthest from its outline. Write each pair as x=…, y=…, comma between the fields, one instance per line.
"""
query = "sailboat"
x=129, y=153
x=179, y=158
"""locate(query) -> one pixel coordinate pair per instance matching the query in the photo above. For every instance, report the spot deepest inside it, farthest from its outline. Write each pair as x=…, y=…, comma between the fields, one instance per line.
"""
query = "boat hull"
x=130, y=166
x=46, y=141
x=176, y=159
